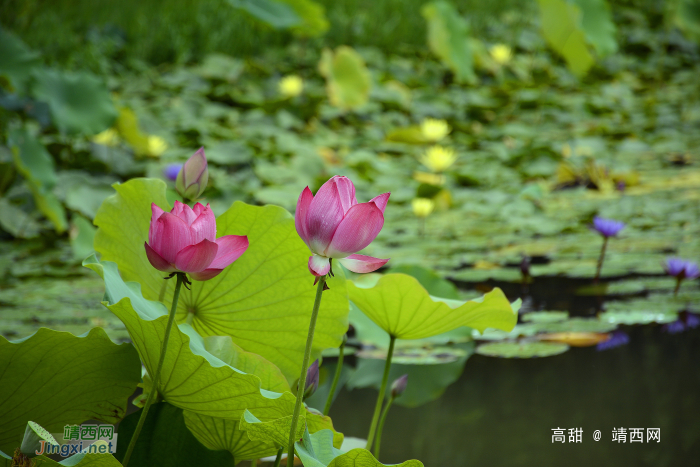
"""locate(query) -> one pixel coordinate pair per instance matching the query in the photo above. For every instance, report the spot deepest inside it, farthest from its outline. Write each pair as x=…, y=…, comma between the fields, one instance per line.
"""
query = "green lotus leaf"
x=263, y=301
x=448, y=39
x=77, y=460
x=235, y=436
x=521, y=349
x=347, y=78
x=55, y=379
x=191, y=378
x=562, y=28
x=275, y=432
x=165, y=440
x=545, y=316
x=403, y=308
x=317, y=450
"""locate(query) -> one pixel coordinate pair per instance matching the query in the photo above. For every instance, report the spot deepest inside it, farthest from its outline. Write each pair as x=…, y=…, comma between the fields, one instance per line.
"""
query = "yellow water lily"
x=422, y=207
x=434, y=129
x=156, y=146
x=438, y=158
x=501, y=53
x=291, y=86
x=108, y=137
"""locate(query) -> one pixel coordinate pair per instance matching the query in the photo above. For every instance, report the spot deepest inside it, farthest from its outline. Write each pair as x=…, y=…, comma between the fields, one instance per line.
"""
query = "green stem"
x=279, y=456
x=600, y=259
x=380, y=397
x=304, y=367
x=336, y=378
x=678, y=286
x=381, y=427
x=156, y=375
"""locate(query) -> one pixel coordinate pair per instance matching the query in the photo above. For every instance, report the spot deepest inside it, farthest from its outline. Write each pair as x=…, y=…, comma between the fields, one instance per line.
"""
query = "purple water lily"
x=171, y=171
x=681, y=269
x=617, y=339
x=607, y=227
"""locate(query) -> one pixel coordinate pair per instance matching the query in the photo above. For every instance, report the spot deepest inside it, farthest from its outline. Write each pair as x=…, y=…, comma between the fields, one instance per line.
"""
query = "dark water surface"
x=502, y=411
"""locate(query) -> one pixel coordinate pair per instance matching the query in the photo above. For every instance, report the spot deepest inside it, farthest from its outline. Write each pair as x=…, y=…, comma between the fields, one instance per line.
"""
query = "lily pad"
x=521, y=349
x=545, y=316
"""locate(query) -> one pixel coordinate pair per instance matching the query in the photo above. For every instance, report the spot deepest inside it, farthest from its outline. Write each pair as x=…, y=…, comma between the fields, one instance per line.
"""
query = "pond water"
x=503, y=411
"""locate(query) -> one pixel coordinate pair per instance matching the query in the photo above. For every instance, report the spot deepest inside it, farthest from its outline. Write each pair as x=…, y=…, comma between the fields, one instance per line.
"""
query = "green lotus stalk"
x=279, y=456
x=336, y=377
x=380, y=397
x=156, y=376
x=304, y=367
x=397, y=388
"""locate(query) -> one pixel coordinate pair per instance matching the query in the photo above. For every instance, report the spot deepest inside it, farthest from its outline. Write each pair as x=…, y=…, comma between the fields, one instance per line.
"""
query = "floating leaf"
x=55, y=378
x=317, y=450
x=575, y=339
x=275, y=14
x=17, y=222
x=427, y=382
x=312, y=15
x=263, y=301
x=598, y=25
x=448, y=38
x=191, y=377
x=521, y=349
x=561, y=26
x=79, y=102
x=403, y=308
x=165, y=440
x=347, y=78
x=17, y=60
x=636, y=317
x=37, y=166
x=545, y=316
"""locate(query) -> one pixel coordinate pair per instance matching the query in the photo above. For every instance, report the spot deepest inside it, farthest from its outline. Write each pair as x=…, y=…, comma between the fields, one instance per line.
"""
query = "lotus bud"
x=399, y=386
x=311, y=380
x=194, y=176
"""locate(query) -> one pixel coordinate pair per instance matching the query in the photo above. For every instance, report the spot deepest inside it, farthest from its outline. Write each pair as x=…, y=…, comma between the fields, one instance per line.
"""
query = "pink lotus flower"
x=184, y=240
x=334, y=226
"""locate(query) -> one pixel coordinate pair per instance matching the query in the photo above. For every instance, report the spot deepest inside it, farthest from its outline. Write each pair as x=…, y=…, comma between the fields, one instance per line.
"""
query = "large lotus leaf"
x=313, y=17
x=273, y=13
x=561, y=26
x=165, y=440
x=220, y=433
x=17, y=61
x=55, y=379
x=403, y=308
x=37, y=167
x=263, y=301
x=191, y=377
x=598, y=25
x=77, y=460
x=448, y=38
x=521, y=349
x=347, y=77
x=80, y=102
x=275, y=432
x=317, y=450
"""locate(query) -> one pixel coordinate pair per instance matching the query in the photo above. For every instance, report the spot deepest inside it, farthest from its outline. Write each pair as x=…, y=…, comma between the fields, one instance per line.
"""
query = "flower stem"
x=336, y=378
x=380, y=397
x=304, y=367
x=600, y=259
x=156, y=375
x=279, y=456
x=381, y=427
x=678, y=286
